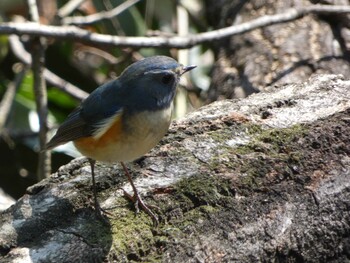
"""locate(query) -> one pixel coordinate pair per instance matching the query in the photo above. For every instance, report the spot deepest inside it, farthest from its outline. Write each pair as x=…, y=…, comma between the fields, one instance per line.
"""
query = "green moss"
x=197, y=198
x=268, y=151
x=204, y=190
x=279, y=138
x=253, y=129
x=271, y=141
x=97, y=232
x=271, y=151
x=221, y=135
x=192, y=200
x=132, y=235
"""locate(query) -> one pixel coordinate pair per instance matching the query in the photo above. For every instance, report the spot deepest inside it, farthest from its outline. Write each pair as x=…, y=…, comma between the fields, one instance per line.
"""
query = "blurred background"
x=85, y=67
x=233, y=67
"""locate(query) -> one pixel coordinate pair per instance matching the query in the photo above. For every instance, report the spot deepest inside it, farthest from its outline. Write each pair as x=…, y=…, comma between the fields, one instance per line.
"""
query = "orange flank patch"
x=90, y=144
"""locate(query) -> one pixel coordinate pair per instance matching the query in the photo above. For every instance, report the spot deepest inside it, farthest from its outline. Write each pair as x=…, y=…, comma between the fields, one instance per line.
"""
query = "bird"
x=125, y=118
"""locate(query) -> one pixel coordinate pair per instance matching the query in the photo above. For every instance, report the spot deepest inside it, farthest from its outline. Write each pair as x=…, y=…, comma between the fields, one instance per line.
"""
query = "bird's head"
x=150, y=84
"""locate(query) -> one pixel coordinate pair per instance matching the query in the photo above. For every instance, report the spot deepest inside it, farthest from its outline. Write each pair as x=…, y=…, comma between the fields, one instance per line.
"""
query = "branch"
x=69, y=7
x=9, y=96
x=33, y=11
x=38, y=60
x=77, y=34
x=87, y=20
x=23, y=55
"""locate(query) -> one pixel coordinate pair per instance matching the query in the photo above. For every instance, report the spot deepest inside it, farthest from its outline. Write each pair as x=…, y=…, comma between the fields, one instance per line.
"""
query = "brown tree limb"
x=77, y=34
x=39, y=85
x=38, y=59
x=231, y=186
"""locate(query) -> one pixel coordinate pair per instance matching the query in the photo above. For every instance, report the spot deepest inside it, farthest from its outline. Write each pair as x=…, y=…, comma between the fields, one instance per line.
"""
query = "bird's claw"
x=138, y=202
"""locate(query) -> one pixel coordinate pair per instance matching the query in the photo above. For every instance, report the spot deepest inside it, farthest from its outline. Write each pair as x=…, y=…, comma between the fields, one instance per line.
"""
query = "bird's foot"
x=139, y=203
x=100, y=212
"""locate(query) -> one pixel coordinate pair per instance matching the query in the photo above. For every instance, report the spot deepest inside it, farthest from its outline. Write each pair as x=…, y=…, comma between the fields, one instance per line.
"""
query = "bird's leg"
x=92, y=165
x=97, y=206
x=136, y=198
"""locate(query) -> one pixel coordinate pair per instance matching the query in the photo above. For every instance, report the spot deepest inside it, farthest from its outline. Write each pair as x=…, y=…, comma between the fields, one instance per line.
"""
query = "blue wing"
x=103, y=103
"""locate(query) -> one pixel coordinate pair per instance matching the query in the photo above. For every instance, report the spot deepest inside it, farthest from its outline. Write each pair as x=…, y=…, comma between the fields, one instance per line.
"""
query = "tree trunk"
x=278, y=54
x=260, y=179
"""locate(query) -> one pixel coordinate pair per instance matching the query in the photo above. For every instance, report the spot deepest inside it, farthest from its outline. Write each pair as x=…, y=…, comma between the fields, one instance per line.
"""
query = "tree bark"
x=278, y=54
x=260, y=179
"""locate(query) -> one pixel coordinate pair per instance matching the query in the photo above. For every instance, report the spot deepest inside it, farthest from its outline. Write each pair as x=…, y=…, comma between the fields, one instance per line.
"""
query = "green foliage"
x=25, y=93
x=3, y=47
x=61, y=99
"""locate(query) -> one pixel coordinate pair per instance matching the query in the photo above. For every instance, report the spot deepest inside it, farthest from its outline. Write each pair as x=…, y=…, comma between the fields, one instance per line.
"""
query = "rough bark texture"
x=261, y=179
x=278, y=54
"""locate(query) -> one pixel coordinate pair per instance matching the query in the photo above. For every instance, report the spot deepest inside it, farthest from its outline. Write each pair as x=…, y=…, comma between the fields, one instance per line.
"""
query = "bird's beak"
x=187, y=68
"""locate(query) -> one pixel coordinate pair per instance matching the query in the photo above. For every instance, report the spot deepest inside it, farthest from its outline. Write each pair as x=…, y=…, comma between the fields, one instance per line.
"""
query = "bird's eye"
x=167, y=78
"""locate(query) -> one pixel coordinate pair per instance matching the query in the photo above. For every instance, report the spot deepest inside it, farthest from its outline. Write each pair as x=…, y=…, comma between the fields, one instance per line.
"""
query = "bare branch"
x=69, y=7
x=38, y=60
x=9, y=96
x=101, y=53
x=64, y=85
x=87, y=20
x=77, y=34
x=33, y=10
x=23, y=55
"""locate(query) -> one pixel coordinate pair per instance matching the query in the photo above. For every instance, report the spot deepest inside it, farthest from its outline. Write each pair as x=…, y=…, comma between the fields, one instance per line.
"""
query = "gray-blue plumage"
x=147, y=85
